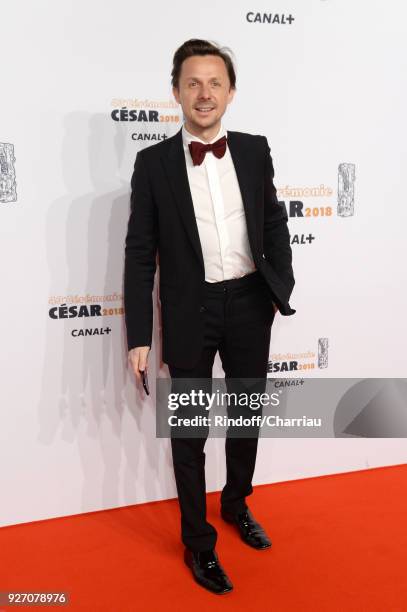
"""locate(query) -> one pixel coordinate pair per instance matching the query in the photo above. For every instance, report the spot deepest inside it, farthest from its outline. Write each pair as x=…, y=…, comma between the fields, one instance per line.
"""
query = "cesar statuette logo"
x=346, y=190
x=8, y=191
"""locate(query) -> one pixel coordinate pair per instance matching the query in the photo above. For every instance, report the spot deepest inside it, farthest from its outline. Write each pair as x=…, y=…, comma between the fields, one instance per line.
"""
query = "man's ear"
x=175, y=93
x=231, y=94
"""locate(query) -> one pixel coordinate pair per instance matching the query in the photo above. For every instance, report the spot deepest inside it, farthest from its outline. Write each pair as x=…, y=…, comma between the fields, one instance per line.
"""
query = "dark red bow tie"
x=198, y=149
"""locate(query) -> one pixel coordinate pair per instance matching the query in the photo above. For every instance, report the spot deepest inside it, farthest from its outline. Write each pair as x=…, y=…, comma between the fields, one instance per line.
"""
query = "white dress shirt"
x=219, y=213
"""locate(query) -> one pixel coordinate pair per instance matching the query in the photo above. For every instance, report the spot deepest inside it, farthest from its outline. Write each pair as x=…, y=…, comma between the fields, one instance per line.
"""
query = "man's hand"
x=138, y=358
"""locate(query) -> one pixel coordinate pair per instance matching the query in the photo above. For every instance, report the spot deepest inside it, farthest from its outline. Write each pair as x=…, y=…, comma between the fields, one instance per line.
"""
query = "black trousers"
x=238, y=318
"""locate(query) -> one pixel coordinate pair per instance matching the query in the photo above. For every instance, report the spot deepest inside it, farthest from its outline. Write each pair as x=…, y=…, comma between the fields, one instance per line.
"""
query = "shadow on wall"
x=88, y=394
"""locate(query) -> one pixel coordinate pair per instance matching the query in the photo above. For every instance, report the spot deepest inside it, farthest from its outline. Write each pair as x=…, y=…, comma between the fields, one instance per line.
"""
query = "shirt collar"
x=187, y=136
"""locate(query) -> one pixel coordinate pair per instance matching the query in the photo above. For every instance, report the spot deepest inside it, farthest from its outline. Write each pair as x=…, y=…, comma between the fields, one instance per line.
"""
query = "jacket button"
x=202, y=309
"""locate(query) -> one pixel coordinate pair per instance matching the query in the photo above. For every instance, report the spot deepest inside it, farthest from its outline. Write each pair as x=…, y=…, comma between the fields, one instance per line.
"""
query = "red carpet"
x=339, y=544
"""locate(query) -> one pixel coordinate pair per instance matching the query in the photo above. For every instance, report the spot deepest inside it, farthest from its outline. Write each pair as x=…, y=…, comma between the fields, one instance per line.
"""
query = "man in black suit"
x=204, y=199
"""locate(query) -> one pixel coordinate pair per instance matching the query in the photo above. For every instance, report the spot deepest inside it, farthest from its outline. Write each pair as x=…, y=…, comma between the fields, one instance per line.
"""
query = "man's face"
x=204, y=91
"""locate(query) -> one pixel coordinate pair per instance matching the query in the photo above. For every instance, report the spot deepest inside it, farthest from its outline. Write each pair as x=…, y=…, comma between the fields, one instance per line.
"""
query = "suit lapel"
x=246, y=177
x=176, y=170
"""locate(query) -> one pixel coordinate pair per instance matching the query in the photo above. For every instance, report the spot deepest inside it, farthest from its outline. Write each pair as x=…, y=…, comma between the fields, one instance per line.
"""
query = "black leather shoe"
x=250, y=530
x=207, y=571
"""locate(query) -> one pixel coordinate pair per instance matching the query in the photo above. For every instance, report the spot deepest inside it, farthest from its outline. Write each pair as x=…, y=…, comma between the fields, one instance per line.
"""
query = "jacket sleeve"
x=140, y=258
x=276, y=240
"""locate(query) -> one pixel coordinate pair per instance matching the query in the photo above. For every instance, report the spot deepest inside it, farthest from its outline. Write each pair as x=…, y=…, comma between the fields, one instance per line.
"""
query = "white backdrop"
x=326, y=89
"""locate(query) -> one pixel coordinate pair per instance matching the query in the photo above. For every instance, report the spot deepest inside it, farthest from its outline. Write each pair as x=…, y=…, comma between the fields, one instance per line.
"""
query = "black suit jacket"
x=162, y=220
